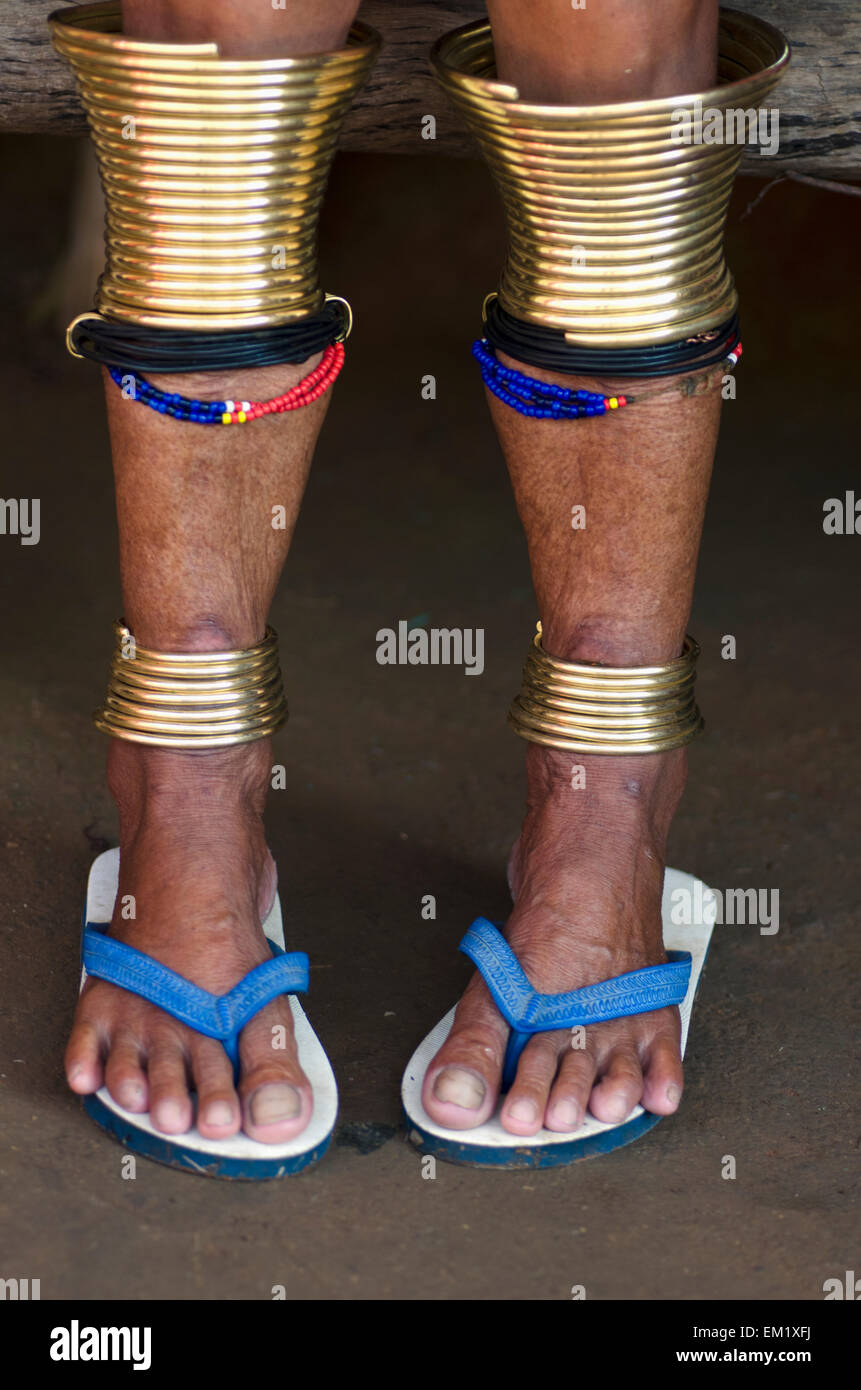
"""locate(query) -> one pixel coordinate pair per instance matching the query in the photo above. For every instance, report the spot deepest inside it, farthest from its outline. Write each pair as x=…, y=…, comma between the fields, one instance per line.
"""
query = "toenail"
x=523, y=1110
x=219, y=1112
x=169, y=1114
x=456, y=1087
x=674, y=1094
x=273, y=1103
x=565, y=1112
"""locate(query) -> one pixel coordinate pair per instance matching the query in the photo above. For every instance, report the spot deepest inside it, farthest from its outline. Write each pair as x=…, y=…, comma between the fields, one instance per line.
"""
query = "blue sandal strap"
x=528, y=1012
x=221, y=1016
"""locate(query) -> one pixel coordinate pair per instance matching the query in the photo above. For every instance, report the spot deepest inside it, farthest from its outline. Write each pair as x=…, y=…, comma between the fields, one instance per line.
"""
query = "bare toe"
x=524, y=1106
x=461, y=1085
x=277, y=1102
x=124, y=1074
x=663, y=1075
x=85, y=1072
x=569, y=1097
x=218, y=1111
x=619, y=1087
x=170, y=1103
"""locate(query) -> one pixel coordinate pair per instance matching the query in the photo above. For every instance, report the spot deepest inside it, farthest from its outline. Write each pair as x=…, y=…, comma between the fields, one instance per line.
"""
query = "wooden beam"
x=820, y=126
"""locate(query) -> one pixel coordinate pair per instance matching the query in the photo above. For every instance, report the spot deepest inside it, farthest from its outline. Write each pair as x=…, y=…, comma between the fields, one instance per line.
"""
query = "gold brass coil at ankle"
x=584, y=708
x=615, y=225
x=213, y=170
x=193, y=700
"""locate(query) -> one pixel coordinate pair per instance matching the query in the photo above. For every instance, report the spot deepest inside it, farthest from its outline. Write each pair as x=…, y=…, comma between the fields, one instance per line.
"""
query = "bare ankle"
x=582, y=807
x=635, y=781
x=172, y=782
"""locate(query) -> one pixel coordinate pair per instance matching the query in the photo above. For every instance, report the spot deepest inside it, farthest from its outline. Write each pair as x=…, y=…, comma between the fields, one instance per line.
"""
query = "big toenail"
x=456, y=1087
x=565, y=1112
x=524, y=1111
x=674, y=1093
x=273, y=1103
x=219, y=1113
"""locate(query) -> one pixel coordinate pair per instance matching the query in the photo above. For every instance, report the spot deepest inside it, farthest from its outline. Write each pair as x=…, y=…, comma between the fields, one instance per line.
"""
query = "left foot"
x=586, y=875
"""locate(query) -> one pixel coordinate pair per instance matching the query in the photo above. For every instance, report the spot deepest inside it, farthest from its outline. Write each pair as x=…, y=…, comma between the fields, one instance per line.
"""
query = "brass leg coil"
x=193, y=700
x=584, y=708
x=213, y=170
x=615, y=224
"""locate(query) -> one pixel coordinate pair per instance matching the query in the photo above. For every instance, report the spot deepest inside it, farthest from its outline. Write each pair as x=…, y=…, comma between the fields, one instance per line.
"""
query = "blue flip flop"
x=689, y=910
x=217, y=1016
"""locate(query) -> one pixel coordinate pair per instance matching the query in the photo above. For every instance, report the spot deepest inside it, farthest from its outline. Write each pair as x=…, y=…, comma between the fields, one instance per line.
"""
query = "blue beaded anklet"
x=167, y=403
x=544, y=400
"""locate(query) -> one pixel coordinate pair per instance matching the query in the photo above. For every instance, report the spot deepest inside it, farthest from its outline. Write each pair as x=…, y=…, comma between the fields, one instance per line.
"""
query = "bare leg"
x=588, y=867
x=200, y=560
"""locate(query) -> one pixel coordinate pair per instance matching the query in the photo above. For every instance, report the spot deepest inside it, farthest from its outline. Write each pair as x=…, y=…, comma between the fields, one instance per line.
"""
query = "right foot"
x=194, y=857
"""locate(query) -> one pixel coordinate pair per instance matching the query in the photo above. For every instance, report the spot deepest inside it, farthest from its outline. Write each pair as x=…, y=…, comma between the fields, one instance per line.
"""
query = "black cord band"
x=546, y=347
x=133, y=347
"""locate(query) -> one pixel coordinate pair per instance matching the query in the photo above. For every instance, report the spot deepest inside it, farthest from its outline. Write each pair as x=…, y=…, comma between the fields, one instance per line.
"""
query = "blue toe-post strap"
x=221, y=1016
x=528, y=1012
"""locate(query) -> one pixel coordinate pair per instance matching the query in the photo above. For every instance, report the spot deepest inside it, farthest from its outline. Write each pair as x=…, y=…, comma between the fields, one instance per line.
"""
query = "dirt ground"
x=404, y=781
